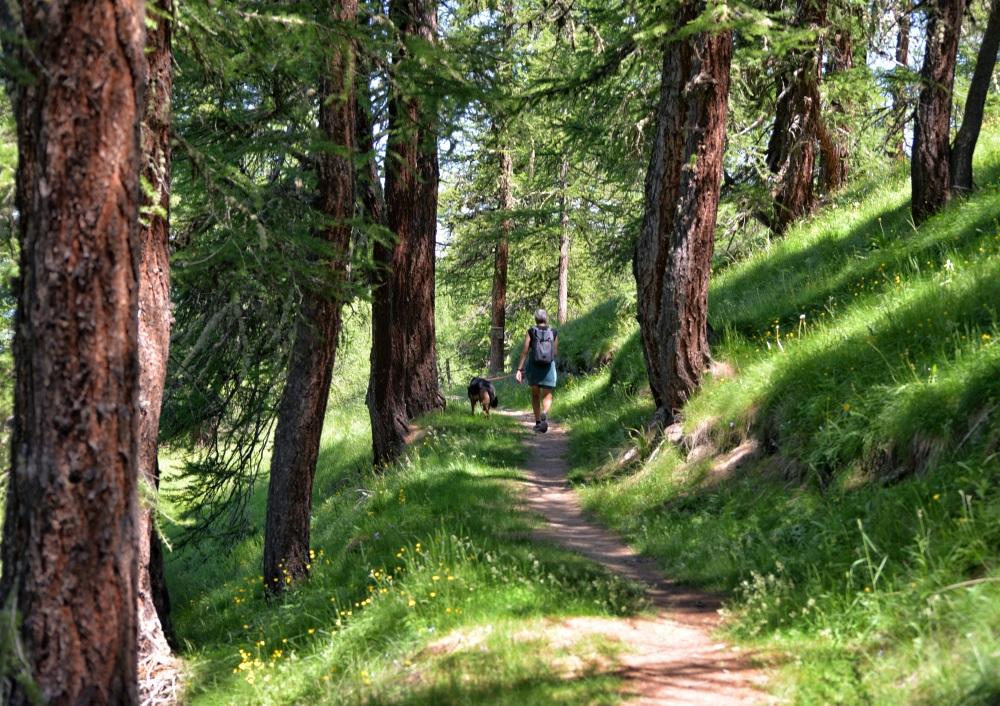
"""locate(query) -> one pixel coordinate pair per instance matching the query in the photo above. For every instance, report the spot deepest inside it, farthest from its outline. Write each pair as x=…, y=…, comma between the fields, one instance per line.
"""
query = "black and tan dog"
x=482, y=391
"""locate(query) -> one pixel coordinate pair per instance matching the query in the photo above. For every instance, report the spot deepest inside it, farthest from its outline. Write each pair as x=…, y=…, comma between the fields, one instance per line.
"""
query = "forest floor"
x=856, y=547
x=670, y=657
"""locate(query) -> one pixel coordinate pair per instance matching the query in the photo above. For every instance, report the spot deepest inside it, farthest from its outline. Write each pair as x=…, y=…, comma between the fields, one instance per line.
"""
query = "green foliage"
x=591, y=341
x=244, y=234
x=436, y=548
x=863, y=545
x=9, y=254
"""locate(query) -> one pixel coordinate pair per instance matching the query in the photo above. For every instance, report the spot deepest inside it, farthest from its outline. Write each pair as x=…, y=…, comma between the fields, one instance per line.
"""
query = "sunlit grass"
x=862, y=550
x=400, y=560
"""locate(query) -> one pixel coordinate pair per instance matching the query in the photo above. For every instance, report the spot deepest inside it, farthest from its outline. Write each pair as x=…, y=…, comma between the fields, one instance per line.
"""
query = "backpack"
x=544, y=343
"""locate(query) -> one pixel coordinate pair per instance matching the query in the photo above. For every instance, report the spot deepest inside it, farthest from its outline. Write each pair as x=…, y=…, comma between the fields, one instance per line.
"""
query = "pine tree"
x=307, y=385
x=154, y=327
x=791, y=151
x=404, y=379
x=68, y=589
x=930, y=172
x=964, y=146
x=673, y=256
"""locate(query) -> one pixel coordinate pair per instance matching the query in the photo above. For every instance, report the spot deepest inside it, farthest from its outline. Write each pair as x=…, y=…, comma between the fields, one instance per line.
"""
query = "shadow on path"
x=672, y=657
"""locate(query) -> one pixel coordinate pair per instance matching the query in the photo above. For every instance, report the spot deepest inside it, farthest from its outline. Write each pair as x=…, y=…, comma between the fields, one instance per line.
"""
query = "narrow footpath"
x=671, y=656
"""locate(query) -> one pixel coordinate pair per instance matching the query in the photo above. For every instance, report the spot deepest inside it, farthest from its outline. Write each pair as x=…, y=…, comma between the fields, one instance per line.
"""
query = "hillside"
x=838, y=474
x=857, y=541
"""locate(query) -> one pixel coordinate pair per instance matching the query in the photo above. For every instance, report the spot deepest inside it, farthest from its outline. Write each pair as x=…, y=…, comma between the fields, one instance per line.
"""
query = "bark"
x=930, y=172
x=791, y=151
x=831, y=132
x=564, y=244
x=404, y=380
x=154, y=324
x=673, y=256
x=505, y=204
x=303, y=401
x=498, y=318
x=68, y=589
x=898, y=92
x=841, y=56
x=833, y=157
x=964, y=146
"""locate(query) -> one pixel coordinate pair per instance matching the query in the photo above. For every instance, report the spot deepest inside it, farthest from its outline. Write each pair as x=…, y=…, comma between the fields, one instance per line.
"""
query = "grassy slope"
x=888, y=369
x=401, y=559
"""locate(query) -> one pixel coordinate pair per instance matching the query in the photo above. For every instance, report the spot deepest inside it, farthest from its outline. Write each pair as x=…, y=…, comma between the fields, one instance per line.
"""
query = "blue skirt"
x=541, y=374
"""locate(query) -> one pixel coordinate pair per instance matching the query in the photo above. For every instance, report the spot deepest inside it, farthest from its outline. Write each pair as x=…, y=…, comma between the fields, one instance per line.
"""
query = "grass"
x=862, y=550
x=437, y=547
x=860, y=553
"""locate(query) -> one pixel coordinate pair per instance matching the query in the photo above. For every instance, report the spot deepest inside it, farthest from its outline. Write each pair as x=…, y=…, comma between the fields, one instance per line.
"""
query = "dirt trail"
x=671, y=657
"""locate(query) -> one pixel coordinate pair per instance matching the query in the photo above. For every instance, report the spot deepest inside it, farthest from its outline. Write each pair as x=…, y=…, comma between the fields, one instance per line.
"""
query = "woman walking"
x=541, y=345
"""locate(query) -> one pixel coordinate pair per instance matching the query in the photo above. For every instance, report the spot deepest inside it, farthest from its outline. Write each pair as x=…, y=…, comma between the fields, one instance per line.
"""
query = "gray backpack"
x=543, y=350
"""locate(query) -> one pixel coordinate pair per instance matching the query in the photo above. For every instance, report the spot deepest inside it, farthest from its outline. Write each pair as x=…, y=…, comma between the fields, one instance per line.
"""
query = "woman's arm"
x=524, y=354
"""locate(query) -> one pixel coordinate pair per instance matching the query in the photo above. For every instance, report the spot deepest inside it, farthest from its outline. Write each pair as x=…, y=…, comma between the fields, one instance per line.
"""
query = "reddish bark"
x=833, y=162
x=564, y=244
x=498, y=317
x=791, y=151
x=930, y=172
x=303, y=402
x=964, y=146
x=69, y=557
x=404, y=379
x=505, y=203
x=831, y=129
x=154, y=320
x=673, y=256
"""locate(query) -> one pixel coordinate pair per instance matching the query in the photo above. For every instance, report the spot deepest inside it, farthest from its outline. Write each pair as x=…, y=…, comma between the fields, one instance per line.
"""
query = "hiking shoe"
x=543, y=423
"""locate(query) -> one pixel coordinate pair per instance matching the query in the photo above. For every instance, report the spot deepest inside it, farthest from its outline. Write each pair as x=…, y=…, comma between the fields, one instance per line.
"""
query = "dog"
x=482, y=391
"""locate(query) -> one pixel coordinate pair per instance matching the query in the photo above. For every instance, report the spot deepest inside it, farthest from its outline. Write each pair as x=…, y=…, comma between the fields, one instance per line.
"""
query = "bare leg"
x=535, y=401
x=546, y=401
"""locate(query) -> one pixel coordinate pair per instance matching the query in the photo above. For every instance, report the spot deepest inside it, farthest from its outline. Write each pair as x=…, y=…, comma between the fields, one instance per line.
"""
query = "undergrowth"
x=435, y=547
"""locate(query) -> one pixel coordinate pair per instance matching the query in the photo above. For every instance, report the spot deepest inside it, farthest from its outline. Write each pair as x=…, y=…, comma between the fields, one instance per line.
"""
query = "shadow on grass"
x=917, y=370
x=445, y=526
x=830, y=271
x=541, y=689
x=590, y=341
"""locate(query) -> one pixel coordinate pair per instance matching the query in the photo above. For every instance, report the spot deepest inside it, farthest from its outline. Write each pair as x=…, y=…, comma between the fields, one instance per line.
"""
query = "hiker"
x=541, y=344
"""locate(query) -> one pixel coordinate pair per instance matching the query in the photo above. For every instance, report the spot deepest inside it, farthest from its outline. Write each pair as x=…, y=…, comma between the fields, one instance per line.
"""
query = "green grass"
x=863, y=550
x=402, y=559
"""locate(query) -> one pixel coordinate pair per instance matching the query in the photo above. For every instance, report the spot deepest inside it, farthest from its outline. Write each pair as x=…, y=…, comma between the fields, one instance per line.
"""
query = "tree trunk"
x=832, y=133
x=154, y=336
x=68, y=590
x=898, y=92
x=673, y=256
x=972, y=121
x=404, y=380
x=564, y=244
x=791, y=151
x=499, y=312
x=505, y=199
x=833, y=161
x=303, y=402
x=930, y=175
